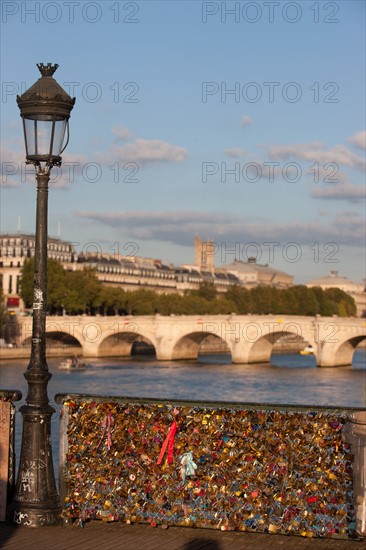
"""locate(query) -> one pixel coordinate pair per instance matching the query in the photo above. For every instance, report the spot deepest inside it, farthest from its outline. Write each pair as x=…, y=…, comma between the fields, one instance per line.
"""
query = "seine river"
x=289, y=379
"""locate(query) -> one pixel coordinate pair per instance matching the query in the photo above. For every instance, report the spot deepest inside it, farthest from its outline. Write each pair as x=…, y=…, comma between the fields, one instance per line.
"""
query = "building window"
x=10, y=284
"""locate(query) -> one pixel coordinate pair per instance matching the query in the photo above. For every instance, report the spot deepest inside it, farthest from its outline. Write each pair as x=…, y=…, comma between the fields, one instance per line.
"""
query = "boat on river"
x=72, y=363
x=309, y=350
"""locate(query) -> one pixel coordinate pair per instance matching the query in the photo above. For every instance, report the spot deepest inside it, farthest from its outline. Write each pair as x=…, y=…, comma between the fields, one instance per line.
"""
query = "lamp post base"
x=30, y=516
x=36, y=502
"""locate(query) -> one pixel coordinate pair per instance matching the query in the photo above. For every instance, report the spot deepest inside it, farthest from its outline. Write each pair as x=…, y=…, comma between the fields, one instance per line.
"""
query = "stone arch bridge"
x=249, y=338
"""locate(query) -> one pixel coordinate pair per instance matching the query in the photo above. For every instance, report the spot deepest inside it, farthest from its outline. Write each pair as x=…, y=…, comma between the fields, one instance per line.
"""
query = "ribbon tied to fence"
x=168, y=443
x=106, y=425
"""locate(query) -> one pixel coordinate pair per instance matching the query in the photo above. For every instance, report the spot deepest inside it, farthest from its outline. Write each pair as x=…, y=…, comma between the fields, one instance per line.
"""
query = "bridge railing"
x=232, y=466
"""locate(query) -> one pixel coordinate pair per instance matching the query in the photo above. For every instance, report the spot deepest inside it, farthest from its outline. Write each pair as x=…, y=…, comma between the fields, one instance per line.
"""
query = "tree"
x=56, y=286
x=206, y=290
x=346, y=305
x=240, y=297
x=74, y=291
x=326, y=306
x=26, y=282
x=81, y=291
x=262, y=299
x=170, y=303
x=222, y=306
x=112, y=300
x=84, y=292
x=141, y=302
x=195, y=305
x=303, y=301
x=56, y=283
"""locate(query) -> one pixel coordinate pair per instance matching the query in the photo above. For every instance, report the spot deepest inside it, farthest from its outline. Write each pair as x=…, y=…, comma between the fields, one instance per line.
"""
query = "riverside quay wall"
x=228, y=466
x=249, y=338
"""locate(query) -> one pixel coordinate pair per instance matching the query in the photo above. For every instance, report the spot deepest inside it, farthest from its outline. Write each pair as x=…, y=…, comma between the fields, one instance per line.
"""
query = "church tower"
x=204, y=254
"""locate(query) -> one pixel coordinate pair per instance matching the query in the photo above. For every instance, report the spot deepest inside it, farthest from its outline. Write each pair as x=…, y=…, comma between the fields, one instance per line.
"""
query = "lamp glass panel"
x=58, y=138
x=29, y=135
x=38, y=136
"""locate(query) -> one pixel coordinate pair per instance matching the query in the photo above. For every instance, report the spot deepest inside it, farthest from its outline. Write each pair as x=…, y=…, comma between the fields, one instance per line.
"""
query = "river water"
x=288, y=379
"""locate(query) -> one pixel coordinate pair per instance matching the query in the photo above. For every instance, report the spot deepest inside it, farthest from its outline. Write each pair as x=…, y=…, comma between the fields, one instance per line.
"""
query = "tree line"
x=78, y=292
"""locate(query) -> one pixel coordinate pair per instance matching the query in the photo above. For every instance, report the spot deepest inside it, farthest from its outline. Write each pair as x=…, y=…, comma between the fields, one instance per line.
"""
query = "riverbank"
x=24, y=353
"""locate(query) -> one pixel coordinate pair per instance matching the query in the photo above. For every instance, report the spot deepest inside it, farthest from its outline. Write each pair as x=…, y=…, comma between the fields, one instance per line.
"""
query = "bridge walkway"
x=115, y=536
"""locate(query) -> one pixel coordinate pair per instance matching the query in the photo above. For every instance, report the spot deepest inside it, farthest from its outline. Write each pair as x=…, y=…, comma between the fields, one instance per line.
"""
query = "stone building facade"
x=15, y=248
x=334, y=280
x=132, y=273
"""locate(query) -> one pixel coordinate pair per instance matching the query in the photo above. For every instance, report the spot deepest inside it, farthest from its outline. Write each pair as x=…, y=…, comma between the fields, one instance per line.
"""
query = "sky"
x=241, y=122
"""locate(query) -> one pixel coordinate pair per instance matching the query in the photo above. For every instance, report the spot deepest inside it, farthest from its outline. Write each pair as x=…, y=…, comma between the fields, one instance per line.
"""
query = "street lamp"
x=45, y=109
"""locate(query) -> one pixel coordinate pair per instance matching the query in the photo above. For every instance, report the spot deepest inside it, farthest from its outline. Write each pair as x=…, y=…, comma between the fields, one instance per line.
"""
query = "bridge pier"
x=90, y=349
x=329, y=356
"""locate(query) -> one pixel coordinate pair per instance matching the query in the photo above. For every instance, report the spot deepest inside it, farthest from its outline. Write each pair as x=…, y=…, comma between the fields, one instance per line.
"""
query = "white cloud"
x=236, y=153
x=359, y=140
x=315, y=152
x=12, y=162
x=331, y=174
x=121, y=132
x=180, y=227
x=15, y=172
x=348, y=191
x=264, y=170
x=73, y=167
x=144, y=151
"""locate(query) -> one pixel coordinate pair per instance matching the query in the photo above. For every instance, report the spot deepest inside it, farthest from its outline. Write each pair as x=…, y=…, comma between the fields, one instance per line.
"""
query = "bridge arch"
x=121, y=338
x=261, y=349
x=120, y=344
x=341, y=353
x=56, y=339
x=188, y=345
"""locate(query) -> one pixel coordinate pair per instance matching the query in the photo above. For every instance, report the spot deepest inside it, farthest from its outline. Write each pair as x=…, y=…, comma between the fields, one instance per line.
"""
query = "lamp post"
x=45, y=109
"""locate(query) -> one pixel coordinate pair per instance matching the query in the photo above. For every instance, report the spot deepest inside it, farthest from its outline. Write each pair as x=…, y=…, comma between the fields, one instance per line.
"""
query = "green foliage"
x=301, y=300
x=77, y=292
x=141, y=302
x=72, y=291
x=83, y=293
x=56, y=284
x=240, y=297
x=346, y=306
x=112, y=300
x=56, y=276
x=206, y=290
x=26, y=282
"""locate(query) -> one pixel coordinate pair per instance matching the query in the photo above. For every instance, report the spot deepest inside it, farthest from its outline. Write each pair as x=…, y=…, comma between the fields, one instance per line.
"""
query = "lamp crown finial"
x=47, y=70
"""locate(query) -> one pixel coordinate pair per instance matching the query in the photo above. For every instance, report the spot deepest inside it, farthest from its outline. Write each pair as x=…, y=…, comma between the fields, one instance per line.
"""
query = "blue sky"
x=243, y=122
